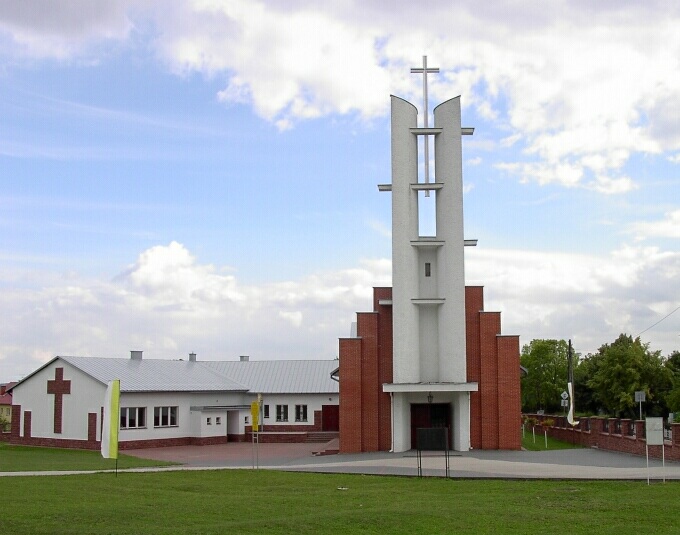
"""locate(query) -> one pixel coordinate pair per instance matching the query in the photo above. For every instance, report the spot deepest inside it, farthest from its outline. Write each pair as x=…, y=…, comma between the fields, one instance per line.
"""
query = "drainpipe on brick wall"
x=392, y=414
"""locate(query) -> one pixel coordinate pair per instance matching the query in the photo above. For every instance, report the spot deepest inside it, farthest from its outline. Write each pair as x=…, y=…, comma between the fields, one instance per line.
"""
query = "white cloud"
x=589, y=298
x=668, y=227
x=580, y=88
x=168, y=304
x=61, y=30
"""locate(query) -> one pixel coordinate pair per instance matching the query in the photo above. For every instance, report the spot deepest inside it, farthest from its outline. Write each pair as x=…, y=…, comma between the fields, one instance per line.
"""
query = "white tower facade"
x=428, y=276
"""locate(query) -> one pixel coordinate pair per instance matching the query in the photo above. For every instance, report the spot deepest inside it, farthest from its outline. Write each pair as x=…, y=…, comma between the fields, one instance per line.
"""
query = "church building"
x=428, y=355
x=175, y=402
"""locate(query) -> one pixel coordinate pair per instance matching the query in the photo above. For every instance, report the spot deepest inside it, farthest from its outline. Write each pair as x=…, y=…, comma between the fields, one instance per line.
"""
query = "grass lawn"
x=27, y=458
x=248, y=501
x=553, y=444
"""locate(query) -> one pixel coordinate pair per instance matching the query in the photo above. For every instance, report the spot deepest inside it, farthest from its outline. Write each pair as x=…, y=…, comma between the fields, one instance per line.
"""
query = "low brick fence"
x=613, y=434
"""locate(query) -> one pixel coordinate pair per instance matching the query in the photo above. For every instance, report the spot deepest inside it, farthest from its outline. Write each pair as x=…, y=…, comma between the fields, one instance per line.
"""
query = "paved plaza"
x=574, y=464
x=555, y=464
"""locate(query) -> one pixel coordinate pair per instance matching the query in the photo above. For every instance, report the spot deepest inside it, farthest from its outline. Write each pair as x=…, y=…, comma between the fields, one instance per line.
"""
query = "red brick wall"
x=15, y=426
x=367, y=329
x=474, y=304
x=596, y=437
x=365, y=365
x=489, y=328
x=350, y=395
x=27, y=424
x=92, y=426
x=385, y=370
x=509, y=396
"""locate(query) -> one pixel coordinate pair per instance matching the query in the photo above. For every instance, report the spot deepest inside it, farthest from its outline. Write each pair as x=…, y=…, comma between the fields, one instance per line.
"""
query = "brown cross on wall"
x=58, y=387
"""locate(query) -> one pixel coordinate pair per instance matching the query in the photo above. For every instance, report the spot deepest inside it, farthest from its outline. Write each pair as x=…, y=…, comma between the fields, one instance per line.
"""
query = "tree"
x=673, y=396
x=624, y=367
x=584, y=395
x=546, y=363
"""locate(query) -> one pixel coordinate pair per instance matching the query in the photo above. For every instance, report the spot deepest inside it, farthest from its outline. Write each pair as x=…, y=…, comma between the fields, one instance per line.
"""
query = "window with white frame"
x=266, y=411
x=282, y=413
x=300, y=413
x=132, y=417
x=208, y=421
x=165, y=417
x=218, y=420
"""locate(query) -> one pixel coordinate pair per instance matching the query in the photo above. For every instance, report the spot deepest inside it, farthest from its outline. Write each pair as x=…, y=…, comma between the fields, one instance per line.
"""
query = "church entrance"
x=426, y=415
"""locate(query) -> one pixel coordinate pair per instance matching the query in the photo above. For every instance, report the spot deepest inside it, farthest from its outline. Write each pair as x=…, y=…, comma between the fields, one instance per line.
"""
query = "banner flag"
x=255, y=414
x=111, y=419
x=570, y=416
x=570, y=387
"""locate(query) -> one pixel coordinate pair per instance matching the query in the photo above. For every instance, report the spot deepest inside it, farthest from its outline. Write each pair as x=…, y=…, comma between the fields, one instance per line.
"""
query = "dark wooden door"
x=426, y=415
x=330, y=418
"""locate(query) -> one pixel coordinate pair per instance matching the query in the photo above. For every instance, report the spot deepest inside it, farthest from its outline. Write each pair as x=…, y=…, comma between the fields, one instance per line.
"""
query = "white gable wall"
x=87, y=395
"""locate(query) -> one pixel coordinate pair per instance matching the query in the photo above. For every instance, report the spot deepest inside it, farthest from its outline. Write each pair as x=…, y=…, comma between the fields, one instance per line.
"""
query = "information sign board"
x=654, y=431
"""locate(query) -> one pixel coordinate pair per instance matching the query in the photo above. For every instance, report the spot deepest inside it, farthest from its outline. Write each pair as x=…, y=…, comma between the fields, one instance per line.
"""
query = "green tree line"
x=605, y=382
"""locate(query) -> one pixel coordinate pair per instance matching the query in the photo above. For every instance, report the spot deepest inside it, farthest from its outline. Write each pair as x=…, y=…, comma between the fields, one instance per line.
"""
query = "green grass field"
x=26, y=458
x=247, y=501
x=539, y=445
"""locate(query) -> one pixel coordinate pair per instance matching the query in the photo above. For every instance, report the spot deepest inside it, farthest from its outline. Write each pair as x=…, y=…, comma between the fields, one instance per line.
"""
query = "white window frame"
x=300, y=413
x=282, y=413
x=139, y=419
x=166, y=416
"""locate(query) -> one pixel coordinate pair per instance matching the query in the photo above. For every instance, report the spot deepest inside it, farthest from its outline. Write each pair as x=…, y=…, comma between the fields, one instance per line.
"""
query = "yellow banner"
x=109, y=445
x=255, y=414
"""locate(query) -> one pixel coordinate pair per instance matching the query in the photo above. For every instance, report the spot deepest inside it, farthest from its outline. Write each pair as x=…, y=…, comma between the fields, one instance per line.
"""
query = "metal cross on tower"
x=425, y=71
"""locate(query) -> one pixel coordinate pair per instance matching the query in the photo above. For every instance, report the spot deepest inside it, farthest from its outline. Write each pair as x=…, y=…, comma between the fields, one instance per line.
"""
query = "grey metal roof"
x=280, y=376
x=153, y=375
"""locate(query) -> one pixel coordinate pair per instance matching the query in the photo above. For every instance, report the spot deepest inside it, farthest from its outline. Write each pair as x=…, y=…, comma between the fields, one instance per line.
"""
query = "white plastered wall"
x=87, y=395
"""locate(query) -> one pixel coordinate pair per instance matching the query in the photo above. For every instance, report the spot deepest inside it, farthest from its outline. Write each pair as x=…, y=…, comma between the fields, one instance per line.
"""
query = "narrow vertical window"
x=428, y=269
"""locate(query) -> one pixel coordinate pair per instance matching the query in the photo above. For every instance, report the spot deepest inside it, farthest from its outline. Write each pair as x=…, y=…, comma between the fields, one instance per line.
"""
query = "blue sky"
x=202, y=176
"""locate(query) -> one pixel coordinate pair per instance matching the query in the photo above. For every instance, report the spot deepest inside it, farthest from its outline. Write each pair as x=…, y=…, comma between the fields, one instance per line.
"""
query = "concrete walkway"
x=574, y=464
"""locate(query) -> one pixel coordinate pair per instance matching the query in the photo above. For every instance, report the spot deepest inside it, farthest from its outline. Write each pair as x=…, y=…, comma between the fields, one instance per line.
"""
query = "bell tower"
x=428, y=272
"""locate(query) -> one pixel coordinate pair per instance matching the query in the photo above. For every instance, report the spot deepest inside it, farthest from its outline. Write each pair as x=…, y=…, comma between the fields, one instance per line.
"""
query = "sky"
x=201, y=176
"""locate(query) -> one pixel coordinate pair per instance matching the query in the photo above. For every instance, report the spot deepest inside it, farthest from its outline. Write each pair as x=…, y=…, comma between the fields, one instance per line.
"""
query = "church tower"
x=428, y=274
x=428, y=355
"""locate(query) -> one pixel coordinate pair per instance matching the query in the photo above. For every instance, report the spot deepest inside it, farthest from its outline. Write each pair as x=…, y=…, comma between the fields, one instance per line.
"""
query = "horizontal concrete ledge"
x=426, y=131
x=436, y=301
x=430, y=387
x=427, y=186
x=427, y=243
x=385, y=302
x=204, y=408
x=384, y=187
x=464, y=131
